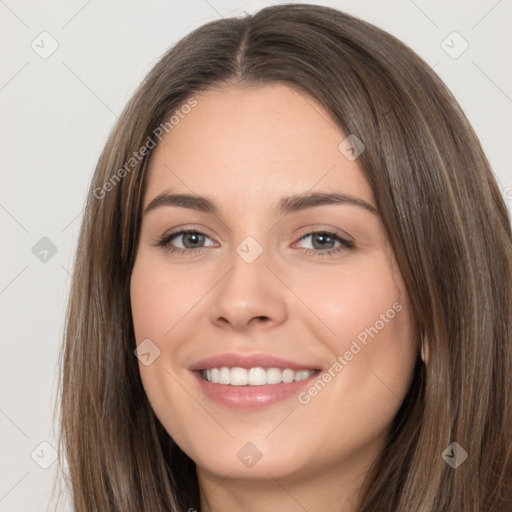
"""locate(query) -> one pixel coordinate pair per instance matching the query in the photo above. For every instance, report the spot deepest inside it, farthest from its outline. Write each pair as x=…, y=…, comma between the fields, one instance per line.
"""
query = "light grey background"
x=56, y=114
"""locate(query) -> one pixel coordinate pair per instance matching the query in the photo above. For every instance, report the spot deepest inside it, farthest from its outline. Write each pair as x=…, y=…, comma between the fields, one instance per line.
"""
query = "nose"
x=249, y=295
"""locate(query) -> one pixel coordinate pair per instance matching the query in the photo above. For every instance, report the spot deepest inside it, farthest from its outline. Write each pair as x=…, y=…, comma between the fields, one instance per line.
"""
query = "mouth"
x=251, y=381
x=256, y=376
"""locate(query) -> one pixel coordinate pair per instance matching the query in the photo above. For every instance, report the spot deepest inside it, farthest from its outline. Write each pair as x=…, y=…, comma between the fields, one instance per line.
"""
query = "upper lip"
x=247, y=361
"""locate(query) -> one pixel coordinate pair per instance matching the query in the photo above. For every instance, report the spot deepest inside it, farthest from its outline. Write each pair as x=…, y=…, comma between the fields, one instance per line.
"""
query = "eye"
x=324, y=243
x=189, y=241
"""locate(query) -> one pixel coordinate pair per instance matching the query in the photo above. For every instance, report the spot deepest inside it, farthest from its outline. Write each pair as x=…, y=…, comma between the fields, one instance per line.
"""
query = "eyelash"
x=165, y=241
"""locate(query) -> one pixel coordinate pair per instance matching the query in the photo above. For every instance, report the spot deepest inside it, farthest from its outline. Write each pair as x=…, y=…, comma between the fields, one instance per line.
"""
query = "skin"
x=244, y=149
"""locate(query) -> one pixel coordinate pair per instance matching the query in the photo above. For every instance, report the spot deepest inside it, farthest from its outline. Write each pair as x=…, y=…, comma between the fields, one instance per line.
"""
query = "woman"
x=294, y=229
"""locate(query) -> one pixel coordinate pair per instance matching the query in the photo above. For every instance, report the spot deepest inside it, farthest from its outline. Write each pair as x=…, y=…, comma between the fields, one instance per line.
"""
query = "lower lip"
x=251, y=397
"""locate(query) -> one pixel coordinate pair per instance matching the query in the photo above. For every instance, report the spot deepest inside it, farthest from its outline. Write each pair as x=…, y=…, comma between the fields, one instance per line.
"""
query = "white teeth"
x=288, y=375
x=225, y=375
x=301, y=375
x=238, y=377
x=257, y=376
x=274, y=376
x=254, y=376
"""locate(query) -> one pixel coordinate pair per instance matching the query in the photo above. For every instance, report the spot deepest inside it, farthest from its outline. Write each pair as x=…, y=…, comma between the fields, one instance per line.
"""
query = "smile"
x=251, y=381
x=257, y=376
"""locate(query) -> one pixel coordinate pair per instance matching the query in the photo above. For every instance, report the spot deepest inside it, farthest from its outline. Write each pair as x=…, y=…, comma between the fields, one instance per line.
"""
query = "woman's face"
x=289, y=272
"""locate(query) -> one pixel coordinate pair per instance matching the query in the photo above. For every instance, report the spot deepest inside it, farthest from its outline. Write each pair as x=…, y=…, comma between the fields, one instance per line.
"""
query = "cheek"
x=161, y=309
x=353, y=302
x=159, y=299
x=366, y=325
x=159, y=304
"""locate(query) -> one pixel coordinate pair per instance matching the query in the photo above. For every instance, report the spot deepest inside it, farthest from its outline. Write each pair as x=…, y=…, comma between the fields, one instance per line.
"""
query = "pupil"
x=196, y=238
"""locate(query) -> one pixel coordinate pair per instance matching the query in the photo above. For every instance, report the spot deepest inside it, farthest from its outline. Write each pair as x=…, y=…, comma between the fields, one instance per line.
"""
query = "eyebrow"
x=286, y=205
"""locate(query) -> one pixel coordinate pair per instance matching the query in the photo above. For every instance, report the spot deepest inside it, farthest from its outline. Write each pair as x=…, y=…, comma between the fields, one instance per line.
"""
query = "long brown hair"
x=444, y=216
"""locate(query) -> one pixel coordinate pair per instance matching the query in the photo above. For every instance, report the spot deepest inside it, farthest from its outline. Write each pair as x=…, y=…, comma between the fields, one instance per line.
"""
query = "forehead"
x=251, y=144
